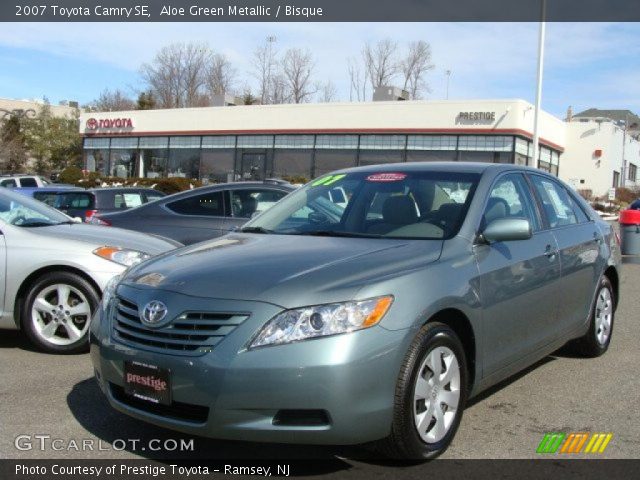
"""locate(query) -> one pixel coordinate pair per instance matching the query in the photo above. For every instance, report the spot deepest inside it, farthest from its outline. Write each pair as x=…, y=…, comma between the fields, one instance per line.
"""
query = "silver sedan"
x=54, y=269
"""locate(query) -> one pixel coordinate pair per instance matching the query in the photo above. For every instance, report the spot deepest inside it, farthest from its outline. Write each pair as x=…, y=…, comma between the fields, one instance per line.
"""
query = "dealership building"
x=304, y=141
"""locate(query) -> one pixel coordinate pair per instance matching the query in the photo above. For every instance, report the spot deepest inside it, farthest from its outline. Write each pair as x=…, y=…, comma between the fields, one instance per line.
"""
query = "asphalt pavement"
x=52, y=397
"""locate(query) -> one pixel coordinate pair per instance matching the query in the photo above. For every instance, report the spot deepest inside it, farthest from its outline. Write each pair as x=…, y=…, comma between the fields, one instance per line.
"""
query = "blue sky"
x=587, y=64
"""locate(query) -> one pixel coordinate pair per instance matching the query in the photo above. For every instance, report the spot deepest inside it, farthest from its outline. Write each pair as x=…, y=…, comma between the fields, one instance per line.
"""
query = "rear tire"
x=57, y=311
x=430, y=396
x=597, y=339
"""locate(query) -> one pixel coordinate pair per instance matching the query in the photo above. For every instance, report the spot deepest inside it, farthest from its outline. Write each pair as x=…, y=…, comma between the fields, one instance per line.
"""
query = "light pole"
x=448, y=74
x=536, y=112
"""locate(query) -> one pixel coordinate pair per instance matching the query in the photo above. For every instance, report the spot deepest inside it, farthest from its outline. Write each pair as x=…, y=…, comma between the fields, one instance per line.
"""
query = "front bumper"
x=350, y=377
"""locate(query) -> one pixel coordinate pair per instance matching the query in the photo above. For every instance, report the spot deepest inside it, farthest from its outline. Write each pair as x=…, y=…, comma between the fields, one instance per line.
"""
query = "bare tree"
x=278, y=89
x=177, y=75
x=327, y=92
x=297, y=68
x=357, y=81
x=414, y=66
x=220, y=75
x=264, y=68
x=380, y=62
x=113, y=101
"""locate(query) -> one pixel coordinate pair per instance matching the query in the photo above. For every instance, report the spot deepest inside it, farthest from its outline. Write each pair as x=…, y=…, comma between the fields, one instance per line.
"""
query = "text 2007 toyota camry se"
x=374, y=319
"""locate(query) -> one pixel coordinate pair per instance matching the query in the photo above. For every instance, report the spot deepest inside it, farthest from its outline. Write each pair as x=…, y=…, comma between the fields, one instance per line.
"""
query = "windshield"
x=19, y=210
x=414, y=205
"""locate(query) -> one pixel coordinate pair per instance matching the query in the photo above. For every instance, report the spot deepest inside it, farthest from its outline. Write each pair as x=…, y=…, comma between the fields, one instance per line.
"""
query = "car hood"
x=115, y=237
x=285, y=270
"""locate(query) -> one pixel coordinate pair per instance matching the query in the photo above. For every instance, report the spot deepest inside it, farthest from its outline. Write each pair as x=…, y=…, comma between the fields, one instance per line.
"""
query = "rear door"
x=193, y=219
x=579, y=243
x=519, y=280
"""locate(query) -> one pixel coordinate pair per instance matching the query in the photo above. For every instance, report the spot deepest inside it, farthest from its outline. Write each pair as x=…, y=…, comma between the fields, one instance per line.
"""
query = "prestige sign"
x=108, y=123
x=471, y=118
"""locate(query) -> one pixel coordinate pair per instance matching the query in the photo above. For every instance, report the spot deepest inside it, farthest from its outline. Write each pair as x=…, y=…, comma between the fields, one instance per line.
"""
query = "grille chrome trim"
x=190, y=333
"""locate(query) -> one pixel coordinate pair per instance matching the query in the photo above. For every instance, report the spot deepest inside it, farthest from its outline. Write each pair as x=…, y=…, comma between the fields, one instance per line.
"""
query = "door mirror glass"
x=507, y=229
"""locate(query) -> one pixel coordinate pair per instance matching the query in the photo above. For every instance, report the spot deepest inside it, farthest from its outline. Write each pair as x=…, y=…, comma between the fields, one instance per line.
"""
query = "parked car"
x=199, y=214
x=23, y=181
x=90, y=202
x=54, y=270
x=316, y=323
x=47, y=194
x=635, y=205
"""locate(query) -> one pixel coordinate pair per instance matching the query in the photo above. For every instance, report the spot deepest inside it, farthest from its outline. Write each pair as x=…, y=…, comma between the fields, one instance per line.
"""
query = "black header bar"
x=319, y=10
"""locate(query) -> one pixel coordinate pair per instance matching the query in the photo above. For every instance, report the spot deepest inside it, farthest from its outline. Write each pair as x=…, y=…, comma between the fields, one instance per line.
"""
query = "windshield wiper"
x=336, y=233
x=37, y=224
x=255, y=230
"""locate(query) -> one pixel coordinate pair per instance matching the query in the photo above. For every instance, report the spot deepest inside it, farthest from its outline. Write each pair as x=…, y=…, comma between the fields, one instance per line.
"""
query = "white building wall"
x=581, y=167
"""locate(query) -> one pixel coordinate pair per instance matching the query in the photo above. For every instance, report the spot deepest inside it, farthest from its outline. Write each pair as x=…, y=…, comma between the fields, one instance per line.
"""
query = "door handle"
x=550, y=252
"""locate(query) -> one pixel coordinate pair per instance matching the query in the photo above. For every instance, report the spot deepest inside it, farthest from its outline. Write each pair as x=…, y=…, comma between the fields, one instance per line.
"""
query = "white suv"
x=23, y=181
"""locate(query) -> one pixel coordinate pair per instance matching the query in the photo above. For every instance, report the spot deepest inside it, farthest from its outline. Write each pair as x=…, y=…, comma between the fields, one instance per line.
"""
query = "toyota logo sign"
x=92, y=124
x=153, y=312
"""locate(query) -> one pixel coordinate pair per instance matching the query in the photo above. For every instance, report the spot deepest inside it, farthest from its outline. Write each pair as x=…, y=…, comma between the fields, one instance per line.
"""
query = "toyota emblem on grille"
x=153, y=312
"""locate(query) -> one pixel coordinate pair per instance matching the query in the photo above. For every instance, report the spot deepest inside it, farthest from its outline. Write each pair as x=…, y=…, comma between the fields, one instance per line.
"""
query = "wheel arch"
x=22, y=290
x=612, y=274
x=461, y=325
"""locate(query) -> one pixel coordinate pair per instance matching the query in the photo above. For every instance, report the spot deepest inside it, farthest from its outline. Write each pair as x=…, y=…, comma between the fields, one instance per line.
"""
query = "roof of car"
x=123, y=189
x=463, y=167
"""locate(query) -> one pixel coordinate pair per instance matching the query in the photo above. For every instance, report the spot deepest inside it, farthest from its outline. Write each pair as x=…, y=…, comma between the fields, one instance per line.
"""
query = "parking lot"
x=56, y=396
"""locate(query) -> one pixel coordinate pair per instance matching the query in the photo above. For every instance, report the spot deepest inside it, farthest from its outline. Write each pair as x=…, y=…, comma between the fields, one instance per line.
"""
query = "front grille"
x=190, y=333
x=177, y=410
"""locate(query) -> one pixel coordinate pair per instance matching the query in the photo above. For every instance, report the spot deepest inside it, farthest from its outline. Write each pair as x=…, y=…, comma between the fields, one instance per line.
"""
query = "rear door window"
x=556, y=202
x=28, y=182
x=246, y=202
x=74, y=200
x=46, y=197
x=128, y=200
x=207, y=204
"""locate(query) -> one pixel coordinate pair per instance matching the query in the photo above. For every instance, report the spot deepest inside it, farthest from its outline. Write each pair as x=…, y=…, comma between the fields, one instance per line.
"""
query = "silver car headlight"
x=322, y=320
x=123, y=256
x=109, y=292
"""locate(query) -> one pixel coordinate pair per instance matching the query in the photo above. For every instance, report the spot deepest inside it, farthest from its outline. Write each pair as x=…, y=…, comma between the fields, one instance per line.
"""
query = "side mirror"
x=507, y=229
x=77, y=219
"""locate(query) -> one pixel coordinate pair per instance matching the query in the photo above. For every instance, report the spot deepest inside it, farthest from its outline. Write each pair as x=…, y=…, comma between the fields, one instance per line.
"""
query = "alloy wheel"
x=61, y=314
x=603, y=315
x=436, y=394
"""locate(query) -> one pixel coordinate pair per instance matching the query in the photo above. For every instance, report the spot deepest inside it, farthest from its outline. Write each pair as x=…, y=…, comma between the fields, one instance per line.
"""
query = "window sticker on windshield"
x=328, y=180
x=386, y=177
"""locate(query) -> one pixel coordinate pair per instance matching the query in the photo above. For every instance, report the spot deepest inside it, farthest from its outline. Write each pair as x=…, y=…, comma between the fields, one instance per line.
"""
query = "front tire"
x=430, y=396
x=597, y=339
x=57, y=311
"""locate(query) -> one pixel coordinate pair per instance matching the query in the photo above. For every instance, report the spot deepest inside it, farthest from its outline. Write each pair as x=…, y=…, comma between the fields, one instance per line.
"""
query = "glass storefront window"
x=486, y=157
x=336, y=142
x=154, y=142
x=432, y=142
x=219, y=141
x=294, y=141
x=97, y=161
x=382, y=142
x=292, y=163
x=374, y=157
x=183, y=162
x=154, y=162
x=122, y=163
x=329, y=160
x=485, y=143
x=216, y=165
x=255, y=141
x=431, y=156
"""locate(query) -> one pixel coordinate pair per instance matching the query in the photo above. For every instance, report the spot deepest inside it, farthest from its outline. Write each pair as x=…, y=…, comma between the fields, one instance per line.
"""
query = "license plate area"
x=147, y=382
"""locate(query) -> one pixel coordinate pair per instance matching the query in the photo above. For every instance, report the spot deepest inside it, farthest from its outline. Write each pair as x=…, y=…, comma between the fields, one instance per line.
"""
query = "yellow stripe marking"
x=605, y=443
x=591, y=442
x=598, y=442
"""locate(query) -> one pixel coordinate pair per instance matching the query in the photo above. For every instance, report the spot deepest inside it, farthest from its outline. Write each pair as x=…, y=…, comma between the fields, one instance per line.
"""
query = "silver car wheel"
x=603, y=315
x=436, y=394
x=61, y=314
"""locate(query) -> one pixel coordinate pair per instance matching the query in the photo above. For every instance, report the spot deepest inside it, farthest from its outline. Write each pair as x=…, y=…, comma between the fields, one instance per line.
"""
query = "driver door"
x=519, y=280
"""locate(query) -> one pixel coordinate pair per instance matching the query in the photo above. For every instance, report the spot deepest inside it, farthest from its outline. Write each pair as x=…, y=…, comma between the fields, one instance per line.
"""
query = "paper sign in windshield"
x=386, y=177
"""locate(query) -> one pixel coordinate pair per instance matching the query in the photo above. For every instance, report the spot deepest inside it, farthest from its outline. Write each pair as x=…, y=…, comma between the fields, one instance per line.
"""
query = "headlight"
x=110, y=291
x=122, y=256
x=322, y=320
